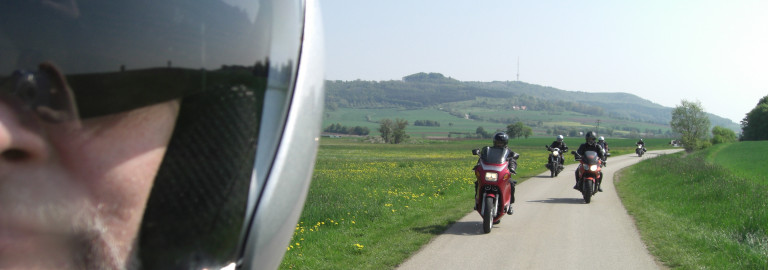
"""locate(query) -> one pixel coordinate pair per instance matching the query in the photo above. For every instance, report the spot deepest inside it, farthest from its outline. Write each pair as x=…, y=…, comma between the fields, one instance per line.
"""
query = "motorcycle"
x=589, y=174
x=606, y=154
x=640, y=150
x=553, y=162
x=493, y=197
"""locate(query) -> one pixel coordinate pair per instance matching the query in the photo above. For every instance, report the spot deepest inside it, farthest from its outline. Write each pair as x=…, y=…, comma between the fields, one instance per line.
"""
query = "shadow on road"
x=458, y=228
x=561, y=201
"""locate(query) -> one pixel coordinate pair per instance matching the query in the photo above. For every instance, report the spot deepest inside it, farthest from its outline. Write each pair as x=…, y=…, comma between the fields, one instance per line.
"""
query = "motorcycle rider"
x=589, y=145
x=156, y=134
x=604, y=144
x=640, y=142
x=500, y=141
x=559, y=143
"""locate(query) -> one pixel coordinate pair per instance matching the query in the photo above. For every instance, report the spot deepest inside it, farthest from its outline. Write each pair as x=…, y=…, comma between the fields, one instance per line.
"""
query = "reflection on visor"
x=44, y=92
x=47, y=93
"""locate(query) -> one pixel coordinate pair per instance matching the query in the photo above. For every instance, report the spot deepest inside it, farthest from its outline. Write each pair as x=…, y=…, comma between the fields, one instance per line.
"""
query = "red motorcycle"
x=589, y=174
x=493, y=188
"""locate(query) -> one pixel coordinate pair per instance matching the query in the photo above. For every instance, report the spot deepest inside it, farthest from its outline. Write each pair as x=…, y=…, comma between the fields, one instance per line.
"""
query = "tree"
x=398, y=135
x=482, y=133
x=754, y=127
x=387, y=129
x=691, y=122
x=722, y=135
x=515, y=130
x=527, y=131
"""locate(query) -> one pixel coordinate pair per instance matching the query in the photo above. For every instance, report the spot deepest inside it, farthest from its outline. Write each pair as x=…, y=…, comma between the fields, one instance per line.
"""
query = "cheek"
x=117, y=159
x=122, y=194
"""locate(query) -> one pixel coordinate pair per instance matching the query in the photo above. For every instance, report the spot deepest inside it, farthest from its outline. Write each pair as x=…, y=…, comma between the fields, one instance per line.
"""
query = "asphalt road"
x=552, y=228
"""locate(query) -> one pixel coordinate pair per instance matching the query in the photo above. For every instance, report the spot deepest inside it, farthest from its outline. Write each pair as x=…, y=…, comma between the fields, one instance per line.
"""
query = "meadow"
x=372, y=205
x=450, y=123
x=704, y=210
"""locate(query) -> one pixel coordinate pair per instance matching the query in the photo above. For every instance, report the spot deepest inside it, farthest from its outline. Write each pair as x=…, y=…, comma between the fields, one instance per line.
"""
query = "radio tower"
x=518, y=68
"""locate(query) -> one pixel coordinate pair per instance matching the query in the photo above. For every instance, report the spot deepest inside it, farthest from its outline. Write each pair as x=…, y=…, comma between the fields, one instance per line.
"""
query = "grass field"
x=450, y=123
x=744, y=159
x=372, y=205
x=705, y=210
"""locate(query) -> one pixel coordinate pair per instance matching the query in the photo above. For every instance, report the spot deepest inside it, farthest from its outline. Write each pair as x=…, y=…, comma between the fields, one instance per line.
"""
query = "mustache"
x=38, y=208
x=44, y=207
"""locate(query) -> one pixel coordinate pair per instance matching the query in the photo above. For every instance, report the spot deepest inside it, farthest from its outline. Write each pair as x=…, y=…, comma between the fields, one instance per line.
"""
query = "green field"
x=744, y=159
x=705, y=210
x=372, y=205
x=450, y=123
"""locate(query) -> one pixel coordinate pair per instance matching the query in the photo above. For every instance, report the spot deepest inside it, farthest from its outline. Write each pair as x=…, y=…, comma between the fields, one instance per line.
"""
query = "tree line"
x=338, y=128
x=426, y=123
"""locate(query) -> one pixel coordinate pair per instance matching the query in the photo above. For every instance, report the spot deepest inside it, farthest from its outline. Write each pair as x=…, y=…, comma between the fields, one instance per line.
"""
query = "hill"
x=489, y=101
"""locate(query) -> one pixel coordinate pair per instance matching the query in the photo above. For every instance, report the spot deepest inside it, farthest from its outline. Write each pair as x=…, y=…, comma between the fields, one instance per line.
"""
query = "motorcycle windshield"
x=590, y=157
x=495, y=155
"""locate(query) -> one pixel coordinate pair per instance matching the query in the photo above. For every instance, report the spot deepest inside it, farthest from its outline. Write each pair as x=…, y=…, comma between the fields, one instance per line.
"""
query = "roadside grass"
x=695, y=214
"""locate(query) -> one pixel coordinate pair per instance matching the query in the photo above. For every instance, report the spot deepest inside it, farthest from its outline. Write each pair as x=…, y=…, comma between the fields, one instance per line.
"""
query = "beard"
x=50, y=224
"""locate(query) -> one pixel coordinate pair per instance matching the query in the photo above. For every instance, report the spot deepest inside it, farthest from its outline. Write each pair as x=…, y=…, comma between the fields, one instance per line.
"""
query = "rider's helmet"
x=157, y=134
x=500, y=139
x=560, y=138
x=601, y=139
x=590, y=138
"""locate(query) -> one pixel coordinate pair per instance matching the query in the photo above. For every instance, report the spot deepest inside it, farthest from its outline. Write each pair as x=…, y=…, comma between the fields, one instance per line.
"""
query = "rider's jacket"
x=561, y=145
x=604, y=145
x=584, y=147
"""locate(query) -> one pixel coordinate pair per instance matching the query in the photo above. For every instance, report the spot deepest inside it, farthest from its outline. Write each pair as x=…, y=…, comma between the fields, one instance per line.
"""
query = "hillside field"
x=540, y=121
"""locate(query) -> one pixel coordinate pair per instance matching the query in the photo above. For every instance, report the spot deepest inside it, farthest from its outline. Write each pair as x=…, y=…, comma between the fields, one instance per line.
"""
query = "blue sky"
x=715, y=52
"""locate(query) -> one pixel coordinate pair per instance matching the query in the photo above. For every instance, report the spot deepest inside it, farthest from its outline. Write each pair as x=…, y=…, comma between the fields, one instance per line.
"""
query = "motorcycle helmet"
x=500, y=139
x=560, y=138
x=590, y=138
x=156, y=134
x=602, y=139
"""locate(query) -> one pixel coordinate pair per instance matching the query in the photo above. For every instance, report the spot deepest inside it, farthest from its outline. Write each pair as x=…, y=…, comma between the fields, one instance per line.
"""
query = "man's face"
x=72, y=195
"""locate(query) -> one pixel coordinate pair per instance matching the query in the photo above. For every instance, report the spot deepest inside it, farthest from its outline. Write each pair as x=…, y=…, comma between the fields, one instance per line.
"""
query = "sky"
x=714, y=52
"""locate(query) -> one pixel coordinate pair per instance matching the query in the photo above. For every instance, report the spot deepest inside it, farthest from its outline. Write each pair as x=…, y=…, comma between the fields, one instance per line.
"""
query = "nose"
x=20, y=141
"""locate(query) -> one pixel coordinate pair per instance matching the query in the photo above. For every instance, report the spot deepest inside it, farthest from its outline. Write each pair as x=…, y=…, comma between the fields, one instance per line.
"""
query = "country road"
x=552, y=228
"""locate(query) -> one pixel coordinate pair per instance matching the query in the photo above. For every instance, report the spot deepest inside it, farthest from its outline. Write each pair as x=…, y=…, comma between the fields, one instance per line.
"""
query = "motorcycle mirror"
x=475, y=151
x=516, y=156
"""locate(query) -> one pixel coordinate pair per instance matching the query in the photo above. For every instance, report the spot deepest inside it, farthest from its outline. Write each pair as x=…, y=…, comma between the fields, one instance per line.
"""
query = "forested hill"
x=422, y=90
